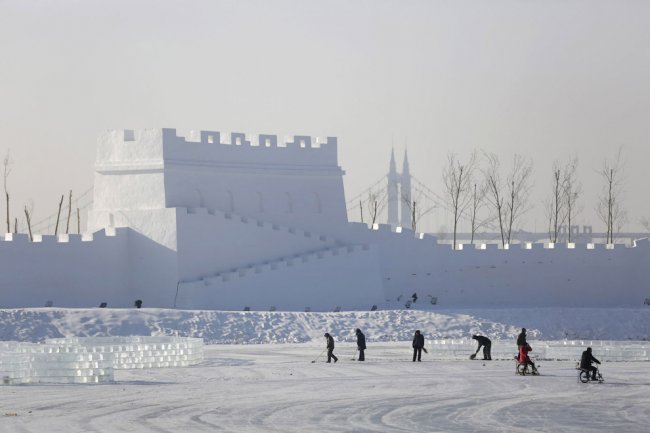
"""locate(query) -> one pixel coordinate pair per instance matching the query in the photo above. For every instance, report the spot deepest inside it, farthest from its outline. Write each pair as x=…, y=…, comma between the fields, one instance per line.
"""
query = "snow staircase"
x=280, y=263
x=266, y=225
x=321, y=280
x=239, y=261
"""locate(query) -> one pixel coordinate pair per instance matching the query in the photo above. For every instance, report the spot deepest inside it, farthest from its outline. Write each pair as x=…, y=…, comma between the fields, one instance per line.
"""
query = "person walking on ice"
x=361, y=344
x=486, y=343
x=330, y=348
x=418, y=346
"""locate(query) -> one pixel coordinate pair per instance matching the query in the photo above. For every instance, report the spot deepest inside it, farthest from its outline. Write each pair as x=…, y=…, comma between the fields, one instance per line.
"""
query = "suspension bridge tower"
x=399, y=193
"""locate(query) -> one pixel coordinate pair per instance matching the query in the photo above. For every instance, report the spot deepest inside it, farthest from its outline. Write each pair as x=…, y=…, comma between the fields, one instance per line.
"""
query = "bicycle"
x=584, y=376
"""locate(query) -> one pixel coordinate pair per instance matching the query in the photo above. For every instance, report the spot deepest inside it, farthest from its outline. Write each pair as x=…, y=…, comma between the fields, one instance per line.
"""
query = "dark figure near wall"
x=418, y=345
x=330, y=348
x=521, y=339
x=361, y=344
x=486, y=343
x=586, y=360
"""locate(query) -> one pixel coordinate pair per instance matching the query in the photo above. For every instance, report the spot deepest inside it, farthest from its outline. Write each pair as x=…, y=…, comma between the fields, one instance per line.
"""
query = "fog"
x=550, y=80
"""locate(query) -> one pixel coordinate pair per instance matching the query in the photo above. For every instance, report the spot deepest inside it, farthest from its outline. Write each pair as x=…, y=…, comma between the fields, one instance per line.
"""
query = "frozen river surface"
x=276, y=388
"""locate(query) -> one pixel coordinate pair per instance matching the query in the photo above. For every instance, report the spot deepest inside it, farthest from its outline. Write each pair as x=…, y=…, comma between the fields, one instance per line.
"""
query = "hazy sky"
x=546, y=79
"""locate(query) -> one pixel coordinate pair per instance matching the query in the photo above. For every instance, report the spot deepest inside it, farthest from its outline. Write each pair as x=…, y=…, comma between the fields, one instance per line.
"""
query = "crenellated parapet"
x=249, y=140
x=152, y=149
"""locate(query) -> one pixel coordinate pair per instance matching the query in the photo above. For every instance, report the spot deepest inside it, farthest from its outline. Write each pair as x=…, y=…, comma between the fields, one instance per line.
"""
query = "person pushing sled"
x=523, y=361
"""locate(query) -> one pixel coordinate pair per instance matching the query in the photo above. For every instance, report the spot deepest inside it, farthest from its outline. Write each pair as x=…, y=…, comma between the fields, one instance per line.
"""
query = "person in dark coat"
x=330, y=348
x=486, y=343
x=521, y=341
x=361, y=344
x=418, y=345
x=586, y=360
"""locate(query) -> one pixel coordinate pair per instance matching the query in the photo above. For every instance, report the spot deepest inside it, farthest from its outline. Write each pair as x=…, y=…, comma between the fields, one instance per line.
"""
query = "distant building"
x=399, y=193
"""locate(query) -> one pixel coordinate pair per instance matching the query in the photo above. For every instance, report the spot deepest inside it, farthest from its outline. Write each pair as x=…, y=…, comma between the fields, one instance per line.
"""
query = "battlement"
x=385, y=231
x=152, y=149
x=108, y=233
x=247, y=140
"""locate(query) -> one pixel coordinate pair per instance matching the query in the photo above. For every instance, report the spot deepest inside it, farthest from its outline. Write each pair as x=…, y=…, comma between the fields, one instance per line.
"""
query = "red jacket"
x=523, y=353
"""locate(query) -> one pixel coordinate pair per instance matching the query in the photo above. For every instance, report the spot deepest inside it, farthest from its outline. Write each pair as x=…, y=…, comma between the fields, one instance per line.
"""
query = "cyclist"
x=585, y=363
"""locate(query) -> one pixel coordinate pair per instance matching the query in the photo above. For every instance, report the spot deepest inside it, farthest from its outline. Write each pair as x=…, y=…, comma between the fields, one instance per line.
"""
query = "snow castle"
x=211, y=221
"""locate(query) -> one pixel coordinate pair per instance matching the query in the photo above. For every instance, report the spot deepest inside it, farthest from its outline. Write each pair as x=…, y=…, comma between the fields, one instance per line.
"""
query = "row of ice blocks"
x=561, y=350
x=25, y=366
x=92, y=359
x=141, y=352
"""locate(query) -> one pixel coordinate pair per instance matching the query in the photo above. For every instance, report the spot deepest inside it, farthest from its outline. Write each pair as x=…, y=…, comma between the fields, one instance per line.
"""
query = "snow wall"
x=217, y=221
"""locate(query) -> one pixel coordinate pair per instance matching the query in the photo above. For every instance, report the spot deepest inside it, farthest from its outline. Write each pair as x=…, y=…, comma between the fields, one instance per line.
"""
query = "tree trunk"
x=67, y=225
x=58, y=216
x=361, y=209
x=8, y=220
x=29, y=225
x=413, y=219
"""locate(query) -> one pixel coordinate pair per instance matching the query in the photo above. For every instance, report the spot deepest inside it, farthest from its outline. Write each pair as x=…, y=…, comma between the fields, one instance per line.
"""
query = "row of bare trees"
x=485, y=193
x=470, y=187
x=376, y=202
x=29, y=209
x=562, y=206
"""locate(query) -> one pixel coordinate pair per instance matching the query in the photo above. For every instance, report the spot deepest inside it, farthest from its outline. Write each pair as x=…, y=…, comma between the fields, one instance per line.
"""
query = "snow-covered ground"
x=251, y=387
x=276, y=388
x=38, y=324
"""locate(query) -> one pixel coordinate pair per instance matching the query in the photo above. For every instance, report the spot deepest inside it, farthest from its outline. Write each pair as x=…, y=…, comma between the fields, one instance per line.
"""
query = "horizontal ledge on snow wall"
x=39, y=239
x=386, y=228
x=191, y=212
x=539, y=246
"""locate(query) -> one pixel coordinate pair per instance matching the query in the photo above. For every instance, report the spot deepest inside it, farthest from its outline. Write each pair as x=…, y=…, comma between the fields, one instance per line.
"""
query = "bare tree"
x=478, y=202
x=376, y=204
x=609, y=207
x=67, y=225
x=492, y=173
x=416, y=208
x=361, y=209
x=78, y=222
x=518, y=188
x=29, y=223
x=457, y=180
x=572, y=192
x=7, y=171
x=555, y=206
x=58, y=216
x=645, y=222
x=509, y=198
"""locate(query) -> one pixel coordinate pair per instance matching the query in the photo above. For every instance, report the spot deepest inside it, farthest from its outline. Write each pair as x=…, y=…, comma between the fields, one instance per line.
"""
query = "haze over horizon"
x=548, y=80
